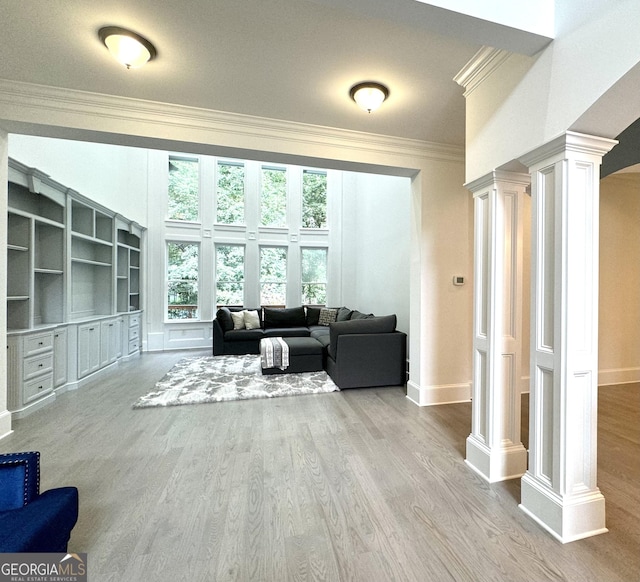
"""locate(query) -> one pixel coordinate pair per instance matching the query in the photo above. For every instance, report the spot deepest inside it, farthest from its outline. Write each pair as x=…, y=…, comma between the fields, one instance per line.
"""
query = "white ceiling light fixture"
x=127, y=47
x=369, y=95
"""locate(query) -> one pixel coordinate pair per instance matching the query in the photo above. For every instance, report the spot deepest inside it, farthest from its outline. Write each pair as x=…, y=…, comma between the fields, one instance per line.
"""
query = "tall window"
x=314, y=276
x=314, y=199
x=184, y=199
x=273, y=197
x=230, y=274
x=182, y=280
x=273, y=275
x=230, y=194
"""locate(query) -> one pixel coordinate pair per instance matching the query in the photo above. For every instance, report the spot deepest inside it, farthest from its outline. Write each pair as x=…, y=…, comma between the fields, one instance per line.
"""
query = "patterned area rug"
x=221, y=378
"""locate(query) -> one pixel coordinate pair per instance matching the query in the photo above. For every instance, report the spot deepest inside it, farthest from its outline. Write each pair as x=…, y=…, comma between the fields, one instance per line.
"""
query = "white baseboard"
x=5, y=424
x=37, y=405
x=443, y=394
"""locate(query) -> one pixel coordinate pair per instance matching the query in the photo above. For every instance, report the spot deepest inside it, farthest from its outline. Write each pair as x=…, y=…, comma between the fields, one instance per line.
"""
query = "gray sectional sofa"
x=359, y=350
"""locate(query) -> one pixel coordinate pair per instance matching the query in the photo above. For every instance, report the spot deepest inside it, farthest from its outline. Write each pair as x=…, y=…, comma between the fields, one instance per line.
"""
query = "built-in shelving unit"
x=73, y=271
x=35, y=253
x=128, y=272
x=92, y=259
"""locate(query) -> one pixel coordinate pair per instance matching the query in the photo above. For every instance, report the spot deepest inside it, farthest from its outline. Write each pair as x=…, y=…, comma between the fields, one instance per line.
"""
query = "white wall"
x=619, y=313
x=441, y=313
x=375, y=244
x=528, y=101
x=114, y=176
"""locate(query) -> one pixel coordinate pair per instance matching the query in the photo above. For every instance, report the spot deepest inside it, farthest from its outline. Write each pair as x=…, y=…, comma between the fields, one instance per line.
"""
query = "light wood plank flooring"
x=349, y=486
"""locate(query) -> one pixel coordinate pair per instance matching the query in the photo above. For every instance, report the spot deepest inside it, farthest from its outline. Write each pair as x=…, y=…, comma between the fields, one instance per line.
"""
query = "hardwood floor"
x=355, y=485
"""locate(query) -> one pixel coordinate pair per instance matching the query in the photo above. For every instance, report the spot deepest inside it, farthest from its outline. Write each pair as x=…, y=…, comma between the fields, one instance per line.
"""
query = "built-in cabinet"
x=73, y=288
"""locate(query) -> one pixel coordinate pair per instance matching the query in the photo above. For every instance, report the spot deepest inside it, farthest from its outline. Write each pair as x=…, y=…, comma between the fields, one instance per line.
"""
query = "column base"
x=498, y=463
x=567, y=519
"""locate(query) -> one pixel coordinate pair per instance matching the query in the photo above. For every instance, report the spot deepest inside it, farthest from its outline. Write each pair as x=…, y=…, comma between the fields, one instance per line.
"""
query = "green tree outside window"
x=229, y=275
x=184, y=198
x=314, y=199
x=314, y=276
x=273, y=275
x=230, y=193
x=182, y=280
x=273, y=197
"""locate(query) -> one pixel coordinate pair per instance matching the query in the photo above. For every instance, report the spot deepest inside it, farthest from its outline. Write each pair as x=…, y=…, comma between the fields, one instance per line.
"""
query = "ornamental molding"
x=63, y=109
x=498, y=176
x=566, y=145
x=480, y=67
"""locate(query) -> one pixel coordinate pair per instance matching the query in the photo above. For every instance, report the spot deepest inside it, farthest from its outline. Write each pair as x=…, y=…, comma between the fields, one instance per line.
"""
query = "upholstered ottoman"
x=305, y=355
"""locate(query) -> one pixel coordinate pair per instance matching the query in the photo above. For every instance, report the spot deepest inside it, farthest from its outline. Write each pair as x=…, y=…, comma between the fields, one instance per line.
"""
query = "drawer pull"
x=40, y=365
x=40, y=343
x=40, y=387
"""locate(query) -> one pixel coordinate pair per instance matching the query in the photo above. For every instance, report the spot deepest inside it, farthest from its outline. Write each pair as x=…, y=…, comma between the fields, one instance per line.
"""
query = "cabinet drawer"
x=134, y=346
x=36, y=344
x=134, y=321
x=37, y=388
x=37, y=365
x=134, y=333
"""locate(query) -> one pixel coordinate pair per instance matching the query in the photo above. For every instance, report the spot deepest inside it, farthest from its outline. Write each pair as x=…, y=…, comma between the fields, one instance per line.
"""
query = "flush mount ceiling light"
x=127, y=47
x=369, y=95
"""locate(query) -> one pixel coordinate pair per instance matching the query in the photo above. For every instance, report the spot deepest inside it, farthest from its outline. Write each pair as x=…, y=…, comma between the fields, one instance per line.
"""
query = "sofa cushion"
x=382, y=324
x=318, y=330
x=344, y=314
x=284, y=317
x=323, y=339
x=286, y=332
x=327, y=316
x=359, y=315
x=243, y=335
x=223, y=315
x=313, y=314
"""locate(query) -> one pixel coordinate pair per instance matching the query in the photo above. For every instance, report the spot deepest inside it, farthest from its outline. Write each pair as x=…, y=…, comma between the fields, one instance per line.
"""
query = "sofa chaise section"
x=358, y=350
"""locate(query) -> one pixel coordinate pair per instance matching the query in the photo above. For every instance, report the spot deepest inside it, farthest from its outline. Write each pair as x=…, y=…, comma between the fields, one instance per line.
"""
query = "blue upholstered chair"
x=31, y=521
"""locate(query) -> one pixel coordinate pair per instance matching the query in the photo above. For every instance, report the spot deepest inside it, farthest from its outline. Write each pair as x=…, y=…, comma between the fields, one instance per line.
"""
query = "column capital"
x=566, y=144
x=497, y=176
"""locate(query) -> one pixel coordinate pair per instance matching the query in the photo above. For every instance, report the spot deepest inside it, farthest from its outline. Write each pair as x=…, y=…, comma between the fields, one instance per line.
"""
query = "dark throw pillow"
x=223, y=315
x=287, y=317
x=313, y=315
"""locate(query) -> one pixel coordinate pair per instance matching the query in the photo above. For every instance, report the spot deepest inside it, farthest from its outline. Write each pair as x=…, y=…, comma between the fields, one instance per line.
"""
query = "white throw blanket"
x=274, y=353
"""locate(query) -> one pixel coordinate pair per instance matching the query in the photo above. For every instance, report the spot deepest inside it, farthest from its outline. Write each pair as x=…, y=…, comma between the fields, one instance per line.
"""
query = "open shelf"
x=91, y=294
x=48, y=294
x=128, y=271
x=20, y=198
x=18, y=313
x=18, y=231
x=48, y=247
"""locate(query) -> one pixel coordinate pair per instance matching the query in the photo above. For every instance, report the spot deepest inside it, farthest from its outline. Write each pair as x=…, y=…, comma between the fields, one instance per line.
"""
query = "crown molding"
x=480, y=67
x=60, y=108
x=569, y=142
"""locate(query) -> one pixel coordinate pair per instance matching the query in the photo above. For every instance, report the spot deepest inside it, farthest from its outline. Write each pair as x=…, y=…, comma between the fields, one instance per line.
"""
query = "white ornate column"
x=494, y=447
x=559, y=490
